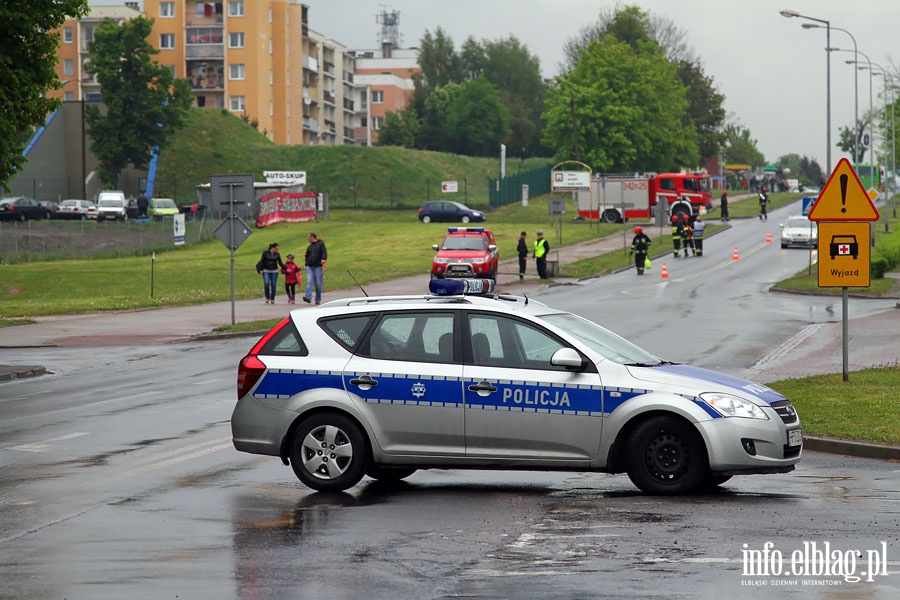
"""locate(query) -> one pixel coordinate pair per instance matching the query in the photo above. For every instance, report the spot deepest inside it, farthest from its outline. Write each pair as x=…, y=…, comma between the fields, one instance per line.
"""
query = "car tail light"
x=250, y=369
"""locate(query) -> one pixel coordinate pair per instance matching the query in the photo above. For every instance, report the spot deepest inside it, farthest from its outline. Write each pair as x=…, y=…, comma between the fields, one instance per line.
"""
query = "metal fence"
x=509, y=189
x=34, y=241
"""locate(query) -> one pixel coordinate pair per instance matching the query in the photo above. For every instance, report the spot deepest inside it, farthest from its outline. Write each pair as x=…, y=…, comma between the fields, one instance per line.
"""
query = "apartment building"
x=261, y=60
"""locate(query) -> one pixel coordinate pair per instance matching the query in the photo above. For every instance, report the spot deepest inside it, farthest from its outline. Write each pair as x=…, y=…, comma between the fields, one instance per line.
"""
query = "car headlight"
x=732, y=406
x=441, y=261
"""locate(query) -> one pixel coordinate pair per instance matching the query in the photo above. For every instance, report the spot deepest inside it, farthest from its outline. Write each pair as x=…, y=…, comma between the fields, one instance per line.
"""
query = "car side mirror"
x=492, y=247
x=568, y=358
x=434, y=247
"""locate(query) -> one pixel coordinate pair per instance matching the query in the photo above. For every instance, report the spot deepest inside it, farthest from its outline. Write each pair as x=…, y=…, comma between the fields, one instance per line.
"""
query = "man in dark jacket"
x=316, y=255
x=522, y=250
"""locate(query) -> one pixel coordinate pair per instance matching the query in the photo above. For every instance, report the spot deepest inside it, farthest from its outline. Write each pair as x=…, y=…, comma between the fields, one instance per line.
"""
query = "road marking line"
x=43, y=445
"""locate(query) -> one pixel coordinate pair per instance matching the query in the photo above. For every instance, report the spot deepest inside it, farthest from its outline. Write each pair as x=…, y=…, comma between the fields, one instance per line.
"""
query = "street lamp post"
x=790, y=13
x=856, y=124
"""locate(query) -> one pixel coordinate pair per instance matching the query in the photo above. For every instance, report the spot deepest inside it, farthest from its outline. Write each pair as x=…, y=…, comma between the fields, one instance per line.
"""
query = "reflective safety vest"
x=699, y=228
x=540, y=248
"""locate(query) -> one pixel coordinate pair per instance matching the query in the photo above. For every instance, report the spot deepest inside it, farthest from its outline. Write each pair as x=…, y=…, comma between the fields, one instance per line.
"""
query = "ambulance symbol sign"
x=843, y=198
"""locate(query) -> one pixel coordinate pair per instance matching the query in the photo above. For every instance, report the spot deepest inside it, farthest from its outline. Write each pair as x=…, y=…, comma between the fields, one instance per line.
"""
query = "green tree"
x=740, y=148
x=477, y=120
x=28, y=58
x=628, y=107
x=636, y=27
x=399, y=129
x=144, y=102
x=438, y=59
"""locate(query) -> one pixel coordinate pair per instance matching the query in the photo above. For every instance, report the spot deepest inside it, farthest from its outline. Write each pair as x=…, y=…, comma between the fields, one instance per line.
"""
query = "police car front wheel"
x=329, y=452
x=666, y=457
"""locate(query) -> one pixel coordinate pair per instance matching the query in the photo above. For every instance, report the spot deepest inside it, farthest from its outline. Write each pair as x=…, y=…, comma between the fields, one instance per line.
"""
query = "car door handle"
x=365, y=382
x=482, y=386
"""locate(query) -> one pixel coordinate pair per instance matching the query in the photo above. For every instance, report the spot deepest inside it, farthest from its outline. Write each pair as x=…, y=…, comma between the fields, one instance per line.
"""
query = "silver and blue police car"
x=384, y=386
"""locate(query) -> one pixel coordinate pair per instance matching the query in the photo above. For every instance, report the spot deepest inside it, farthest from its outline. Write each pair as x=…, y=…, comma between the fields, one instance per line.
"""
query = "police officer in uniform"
x=640, y=246
x=763, y=201
x=541, y=248
x=687, y=235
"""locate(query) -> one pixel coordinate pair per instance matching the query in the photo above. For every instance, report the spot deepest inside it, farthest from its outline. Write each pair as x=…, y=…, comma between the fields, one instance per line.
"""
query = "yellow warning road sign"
x=843, y=198
x=844, y=254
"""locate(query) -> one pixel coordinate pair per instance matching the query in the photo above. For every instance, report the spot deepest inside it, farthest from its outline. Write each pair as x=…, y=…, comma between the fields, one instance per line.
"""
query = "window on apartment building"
x=68, y=67
x=238, y=103
x=270, y=45
x=377, y=123
x=69, y=96
x=377, y=96
x=270, y=14
x=236, y=8
x=271, y=77
x=236, y=71
x=271, y=108
x=236, y=40
x=68, y=35
x=166, y=10
x=166, y=41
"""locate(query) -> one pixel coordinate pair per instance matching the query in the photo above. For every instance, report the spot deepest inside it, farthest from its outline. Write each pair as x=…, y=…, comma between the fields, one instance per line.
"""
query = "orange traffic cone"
x=734, y=255
x=664, y=274
x=768, y=237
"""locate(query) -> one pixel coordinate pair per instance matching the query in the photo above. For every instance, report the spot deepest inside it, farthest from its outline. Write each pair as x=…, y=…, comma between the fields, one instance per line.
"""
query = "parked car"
x=799, y=231
x=383, y=386
x=76, y=209
x=466, y=252
x=448, y=211
x=51, y=206
x=162, y=207
x=131, y=208
x=112, y=209
x=20, y=208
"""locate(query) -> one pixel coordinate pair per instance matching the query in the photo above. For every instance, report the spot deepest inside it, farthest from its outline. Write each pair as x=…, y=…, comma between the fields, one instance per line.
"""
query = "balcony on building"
x=329, y=98
x=349, y=105
x=206, y=75
x=310, y=64
x=310, y=124
x=204, y=42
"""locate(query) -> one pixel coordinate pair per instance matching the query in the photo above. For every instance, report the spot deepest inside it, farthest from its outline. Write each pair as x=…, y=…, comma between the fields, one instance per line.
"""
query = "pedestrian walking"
x=640, y=246
x=723, y=206
x=699, y=230
x=268, y=266
x=292, y=278
x=316, y=255
x=687, y=236
x=677, y=234
x=522, y=250
x=763, y=201
x=541, y=248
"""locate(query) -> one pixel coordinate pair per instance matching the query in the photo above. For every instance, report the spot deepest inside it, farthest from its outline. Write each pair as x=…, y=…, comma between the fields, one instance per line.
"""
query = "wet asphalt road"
x=119, y=481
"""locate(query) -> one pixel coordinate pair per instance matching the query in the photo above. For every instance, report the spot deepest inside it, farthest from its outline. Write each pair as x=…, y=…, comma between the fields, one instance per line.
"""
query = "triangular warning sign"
x=843, y=198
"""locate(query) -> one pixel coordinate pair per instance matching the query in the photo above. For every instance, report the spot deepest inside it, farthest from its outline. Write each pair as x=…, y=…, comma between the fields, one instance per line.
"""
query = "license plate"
x=795, y=437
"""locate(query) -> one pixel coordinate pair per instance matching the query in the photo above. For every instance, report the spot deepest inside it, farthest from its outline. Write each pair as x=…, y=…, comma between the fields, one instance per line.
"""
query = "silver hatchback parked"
x=385, y=386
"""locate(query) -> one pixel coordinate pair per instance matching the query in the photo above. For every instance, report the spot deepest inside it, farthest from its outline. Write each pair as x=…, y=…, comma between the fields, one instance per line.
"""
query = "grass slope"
x=215, y=142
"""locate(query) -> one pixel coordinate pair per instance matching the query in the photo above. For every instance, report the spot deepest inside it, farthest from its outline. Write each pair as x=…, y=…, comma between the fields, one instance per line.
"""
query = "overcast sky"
x=771, y=70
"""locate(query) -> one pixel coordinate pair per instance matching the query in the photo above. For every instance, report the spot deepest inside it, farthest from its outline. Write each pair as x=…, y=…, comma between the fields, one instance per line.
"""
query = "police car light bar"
x=461, y=287
x=465, y=229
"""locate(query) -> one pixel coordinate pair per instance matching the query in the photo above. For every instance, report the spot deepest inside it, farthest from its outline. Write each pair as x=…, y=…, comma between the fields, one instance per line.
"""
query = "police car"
x=383, y=386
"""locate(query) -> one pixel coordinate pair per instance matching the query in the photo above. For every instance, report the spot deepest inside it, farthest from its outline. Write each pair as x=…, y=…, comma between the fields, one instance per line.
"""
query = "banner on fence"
x=290, y=207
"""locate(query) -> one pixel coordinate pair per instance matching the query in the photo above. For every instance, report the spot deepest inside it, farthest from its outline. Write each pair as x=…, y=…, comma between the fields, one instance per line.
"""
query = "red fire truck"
x=618, y=197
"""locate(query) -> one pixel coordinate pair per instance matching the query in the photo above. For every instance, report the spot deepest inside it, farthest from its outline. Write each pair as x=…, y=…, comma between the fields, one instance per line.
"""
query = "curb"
x=858, y=449
x=20, y=372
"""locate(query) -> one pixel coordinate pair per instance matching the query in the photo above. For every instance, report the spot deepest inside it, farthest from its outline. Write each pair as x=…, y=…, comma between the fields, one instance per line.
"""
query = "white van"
x=111, y=206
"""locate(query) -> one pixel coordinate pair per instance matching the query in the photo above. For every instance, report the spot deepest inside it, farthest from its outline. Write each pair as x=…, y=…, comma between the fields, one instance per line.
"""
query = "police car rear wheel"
x=389, y=473
x=329, y=452
x=666, y=457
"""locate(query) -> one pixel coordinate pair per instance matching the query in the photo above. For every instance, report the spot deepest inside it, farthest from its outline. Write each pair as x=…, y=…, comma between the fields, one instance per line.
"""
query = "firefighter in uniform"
x=541, y=248
x=687, y=235
x=699, y=229
x=640, y=245
x=677, y=234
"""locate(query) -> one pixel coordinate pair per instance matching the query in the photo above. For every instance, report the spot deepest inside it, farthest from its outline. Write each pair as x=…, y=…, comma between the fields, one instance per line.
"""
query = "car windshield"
x=604, y=342
x=112, y=203
x=463, y=243
x=798, y=222
x=163, y=203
